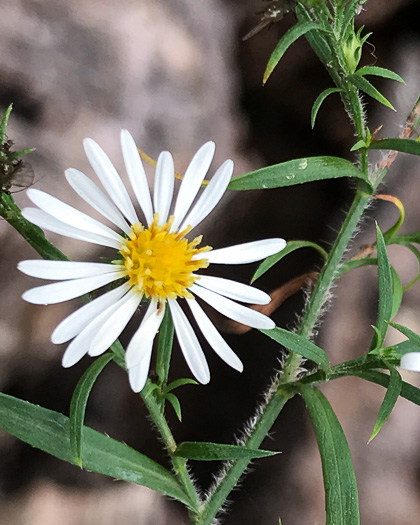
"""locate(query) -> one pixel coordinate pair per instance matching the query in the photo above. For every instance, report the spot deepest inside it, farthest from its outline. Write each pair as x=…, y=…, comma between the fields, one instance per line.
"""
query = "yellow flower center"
x=159, y=263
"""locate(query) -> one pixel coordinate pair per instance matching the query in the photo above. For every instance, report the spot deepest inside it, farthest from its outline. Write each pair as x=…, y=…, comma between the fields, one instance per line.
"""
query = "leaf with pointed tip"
x=341, y=498
x=79, y=401
x=392, y=394
x=412, y=336
x=49, y=431
x=3, y=123
x=179, y=382
x=318, y=102
x=300, y=345
x=290, y=247
x=379, y=72
x=176, y=405
x=205, y=451
x=285, y=42
x=368, y=88
x=297, y=171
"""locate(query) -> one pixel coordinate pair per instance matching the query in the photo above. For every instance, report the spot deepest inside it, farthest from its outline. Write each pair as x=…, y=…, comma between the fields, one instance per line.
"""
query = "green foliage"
x=298, y=171
x=79, y=401
x=318, y=102
x=4, y=122
x=392, y=394
x=290, y=247
x=341, y=497
x=402, y=145
x=379, y=72
x=201, y=451
x=410, y=392
x=285, y=42
x=412, y=336
x=300, y=345
x=368, y=88
x=50, y=431
x=166, y=337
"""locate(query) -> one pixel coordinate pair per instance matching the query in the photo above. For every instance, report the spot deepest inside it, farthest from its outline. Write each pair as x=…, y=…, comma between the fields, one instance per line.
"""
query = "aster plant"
x=162, y=269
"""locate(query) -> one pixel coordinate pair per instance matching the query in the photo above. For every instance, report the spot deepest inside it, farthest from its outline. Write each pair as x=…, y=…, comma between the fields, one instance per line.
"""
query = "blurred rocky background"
x=176, y=74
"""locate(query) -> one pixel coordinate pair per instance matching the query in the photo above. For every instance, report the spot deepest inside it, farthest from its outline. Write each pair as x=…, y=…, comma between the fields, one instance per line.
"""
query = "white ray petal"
x=233, y=310
x=189, y=344
x=136, y=174
x=192, y=181
x=69, y=215
x=213, y=337
x=210, y=196
x=47, y=222
x=74, y=323
x=145, y=335
x=116, y=323
x=96, y=198
x=81, y=344
x=60, y=270
x=234, y=290
x=411, y=361
x=66, y=290
x=164, y=185
x=137, y=375
x=244, y=253
x=110, y=179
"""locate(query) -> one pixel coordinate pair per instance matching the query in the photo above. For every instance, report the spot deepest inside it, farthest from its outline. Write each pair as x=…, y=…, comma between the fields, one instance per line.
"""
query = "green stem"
x=179, y=464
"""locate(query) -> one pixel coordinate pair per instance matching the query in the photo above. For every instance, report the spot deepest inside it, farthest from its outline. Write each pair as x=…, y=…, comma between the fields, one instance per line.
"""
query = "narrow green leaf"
x=359, y=145
x=391, y=397
x=49, y=431
x=166, y=338
x=341, y=498
x=202, y=451
x=412, y=336
x=179, y=382
x=300, y=345
x=385, y=290
x=349, y=14
x=397, y=292
x=3, y=123
x=379, y=72
x=290, y=247
x=368, y=88
x=315, y=38
x=408, y=391
x=17, y=154
x=176, y=405
x=405, y=347
x=356, y=263
x=285, y=42
x=296, y=171
x=402, y=145
x=402, y=242
x=318, y=103
x=79, y=401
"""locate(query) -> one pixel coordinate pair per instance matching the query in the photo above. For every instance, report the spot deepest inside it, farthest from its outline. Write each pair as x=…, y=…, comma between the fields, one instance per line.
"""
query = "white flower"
x=411, y=361
x=155, y=262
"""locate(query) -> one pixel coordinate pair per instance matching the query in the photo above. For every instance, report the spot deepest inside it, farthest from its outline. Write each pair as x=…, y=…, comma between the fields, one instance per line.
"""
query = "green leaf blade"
x=379, y=72
x=368, y=88
x=290, y=248
x=392, y=394
x=402, y=145
x=297, y=171
x=201, y=451
x=4, y=122
x=319, y=101
x=79, y=401
x=285, y=42
x=300, y=345
x=49, y=431
x=341, y=497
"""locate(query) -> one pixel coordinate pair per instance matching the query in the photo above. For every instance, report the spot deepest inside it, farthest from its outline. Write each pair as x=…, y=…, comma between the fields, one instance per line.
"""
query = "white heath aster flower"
x=155, y=261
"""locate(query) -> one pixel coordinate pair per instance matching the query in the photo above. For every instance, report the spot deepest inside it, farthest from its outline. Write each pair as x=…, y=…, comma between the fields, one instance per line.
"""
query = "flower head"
x=155, y=261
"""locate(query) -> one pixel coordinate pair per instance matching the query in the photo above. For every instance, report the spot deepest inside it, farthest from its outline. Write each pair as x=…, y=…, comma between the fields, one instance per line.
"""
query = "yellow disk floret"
x=159, y=263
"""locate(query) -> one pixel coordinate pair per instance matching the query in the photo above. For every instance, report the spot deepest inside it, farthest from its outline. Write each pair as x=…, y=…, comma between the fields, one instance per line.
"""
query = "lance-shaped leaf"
x=79, y=401
x=49, y=431
x=290, y=247
x=385, y=291
x=368, y=88
x=166, y=337
x=410, y=392
x=201, y=451
x=412, y=336
x=341, y=498
x=379, y=72
x=3, y=123
x=285, y=42
x=356, y=263
x=318, y=103
x=397, y=292
x=300, y=345
x=402, y=145
x=392, y=394
x=297, y=171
